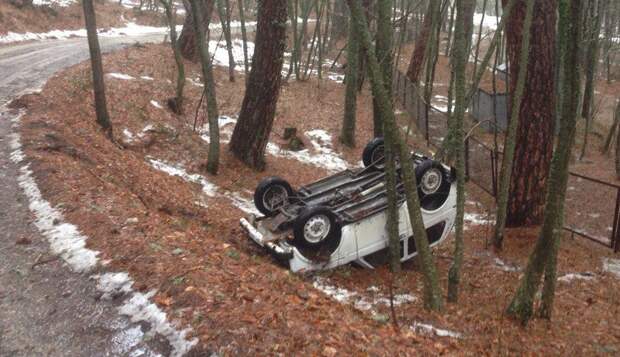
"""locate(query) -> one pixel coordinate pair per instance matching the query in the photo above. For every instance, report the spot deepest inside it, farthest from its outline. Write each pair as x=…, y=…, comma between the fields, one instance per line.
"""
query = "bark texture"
x=251, y=133
x=534, y=140
x=418, y=57
x=187, y=39
x=347, y=135
x=544, y=256
x=101, y=107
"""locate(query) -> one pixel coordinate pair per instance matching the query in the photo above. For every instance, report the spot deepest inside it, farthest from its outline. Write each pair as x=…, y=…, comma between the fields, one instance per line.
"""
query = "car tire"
x=433, y=184
x=373, y=155
x=317, y=227
x=271, y=194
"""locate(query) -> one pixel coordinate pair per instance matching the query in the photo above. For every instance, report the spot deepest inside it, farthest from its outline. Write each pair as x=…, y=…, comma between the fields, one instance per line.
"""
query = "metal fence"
x=482, y=165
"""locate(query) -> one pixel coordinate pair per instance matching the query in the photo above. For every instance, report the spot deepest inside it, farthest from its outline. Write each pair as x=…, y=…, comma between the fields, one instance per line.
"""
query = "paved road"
x=48, y=310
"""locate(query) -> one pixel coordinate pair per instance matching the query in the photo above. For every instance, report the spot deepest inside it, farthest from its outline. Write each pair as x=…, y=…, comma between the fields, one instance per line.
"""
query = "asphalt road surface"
x=48, y=310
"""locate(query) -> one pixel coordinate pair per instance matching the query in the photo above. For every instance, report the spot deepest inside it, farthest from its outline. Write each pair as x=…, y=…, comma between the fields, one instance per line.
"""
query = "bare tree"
x=213, y=160
x=101, y=108
x=175, y=104
x=223, y=9
x=251, y=134
x=188, y=37
x=347, y=136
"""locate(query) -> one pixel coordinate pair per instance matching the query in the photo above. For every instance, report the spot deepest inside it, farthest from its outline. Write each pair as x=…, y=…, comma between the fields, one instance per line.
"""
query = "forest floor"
x=149, y=208
x=70, y=16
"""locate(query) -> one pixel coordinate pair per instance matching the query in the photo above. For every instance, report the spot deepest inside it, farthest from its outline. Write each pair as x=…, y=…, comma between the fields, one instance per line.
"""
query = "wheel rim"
x=317, y=228
x=378, y=157
x=275, y=197
x=431, y=181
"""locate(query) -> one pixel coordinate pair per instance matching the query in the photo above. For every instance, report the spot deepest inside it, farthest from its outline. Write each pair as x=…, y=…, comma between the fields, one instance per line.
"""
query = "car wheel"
x=316, y=227
x=374, y=154
x=433, y=184
x=271, y=194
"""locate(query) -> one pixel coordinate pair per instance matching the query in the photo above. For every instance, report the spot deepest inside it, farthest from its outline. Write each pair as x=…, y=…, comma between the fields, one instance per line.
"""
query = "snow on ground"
x=428, y=329
x=567, y=278
x=156, y=104
x=325, y=157
x=147, y=78
x=60, y=3
x=121, y=76
x=131, y=136
x=490, y=22
x=208, y=188
x=220, y=54
x=508, y=267
x=69, y=243
x=367, y=301
x=476, y=219
x=612, y=266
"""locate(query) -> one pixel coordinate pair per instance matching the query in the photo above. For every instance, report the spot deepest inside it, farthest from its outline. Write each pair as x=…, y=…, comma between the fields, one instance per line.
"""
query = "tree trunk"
x=347, y=135
x=101, y=108
x=339, y=22
x=595, y=9
x=176, y=104
x=511, y=134
x=421, y=43
x=188, y=38
x=213, y=160
x=383, y=45
x=612, y=130
x=252, y=131
x=244, y=37
x=223, y=10
x=534, y=139
x=544, y=256
x=459, y=63
x=432, y=291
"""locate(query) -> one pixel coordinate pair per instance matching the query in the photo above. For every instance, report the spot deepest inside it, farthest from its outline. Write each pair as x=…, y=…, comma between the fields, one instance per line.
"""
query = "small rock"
x=177, y=251
x=56, y=221
x=66, y=293
x=23, y=241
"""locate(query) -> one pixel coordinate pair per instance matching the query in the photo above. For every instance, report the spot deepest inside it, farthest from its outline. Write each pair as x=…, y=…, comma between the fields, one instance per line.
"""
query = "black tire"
x=264, y=198
x=303, y=233
x=433, y=194
x=373, y=154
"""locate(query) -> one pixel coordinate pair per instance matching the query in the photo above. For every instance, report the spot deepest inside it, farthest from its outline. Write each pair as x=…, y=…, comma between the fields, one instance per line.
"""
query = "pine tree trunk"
x=101, y=108
x=432, y=291
x=544, y=256
x=511, y=134
x=459, y=63
x=420, y=50
x=213, y=160
x=188, y=38
x=534, y=139
x=177, y=103
x=347, y=135
x=251, y=133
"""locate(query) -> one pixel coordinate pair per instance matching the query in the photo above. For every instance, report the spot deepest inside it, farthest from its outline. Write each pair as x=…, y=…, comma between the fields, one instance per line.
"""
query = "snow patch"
x=140, y=309
x=612, y=266
x=325, y=157
x=70, y=244
x=156, y=104
x=217, y=49
x=59, y=3
x=113, y=284
x=357, y=300
x=120, y=76
x=506, y=266
x=428, y=329
x=147, y=78
x=567, y=278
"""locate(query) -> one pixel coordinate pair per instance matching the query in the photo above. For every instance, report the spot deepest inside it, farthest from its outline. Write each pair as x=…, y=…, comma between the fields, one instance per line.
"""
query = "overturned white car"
x=342, y=218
